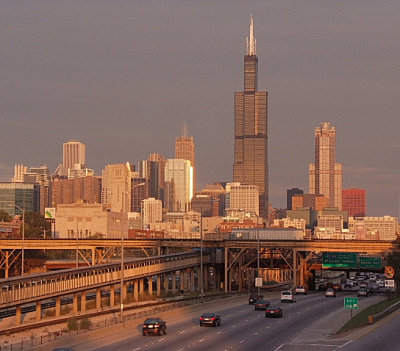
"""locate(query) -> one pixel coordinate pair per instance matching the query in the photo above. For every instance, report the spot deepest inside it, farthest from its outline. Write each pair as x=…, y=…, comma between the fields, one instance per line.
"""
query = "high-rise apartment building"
x=325, y=175
x=160, y=160
x=185, y=150
x=178, y=185
x=74, y=152
x=354, y=202
x=116, y=187
x=251, y=129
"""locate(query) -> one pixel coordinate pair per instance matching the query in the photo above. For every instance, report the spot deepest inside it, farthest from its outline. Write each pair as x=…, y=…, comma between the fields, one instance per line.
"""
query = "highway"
x=242, y=328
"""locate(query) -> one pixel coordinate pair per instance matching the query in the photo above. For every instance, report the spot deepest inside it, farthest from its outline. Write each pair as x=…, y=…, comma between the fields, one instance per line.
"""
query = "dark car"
x=337, y=287
x=321, y=287
x=210, y=319
x=254, y=297
x=261, y=305
x=273, y=311
x=362, y=291
x=154, y=326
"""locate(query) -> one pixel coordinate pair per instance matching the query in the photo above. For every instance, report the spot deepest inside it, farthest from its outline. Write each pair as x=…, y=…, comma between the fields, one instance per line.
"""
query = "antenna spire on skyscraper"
x=251, y=42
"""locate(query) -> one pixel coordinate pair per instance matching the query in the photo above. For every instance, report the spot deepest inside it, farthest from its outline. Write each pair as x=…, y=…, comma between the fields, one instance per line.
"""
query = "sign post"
x=351, y=303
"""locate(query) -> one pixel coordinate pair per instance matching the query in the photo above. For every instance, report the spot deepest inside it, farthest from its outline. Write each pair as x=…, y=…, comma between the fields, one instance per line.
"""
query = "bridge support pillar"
x=98, y=299
x=18, y=316
x=192, y=282
x=150, y=286
x=58, y=306
x=112, y=295
x=141, y=287
x=166, y=282
x=83, y=302
x=136, y=290
x=75, y=304
x=173, y=283
x=294, y=267
x=38, y=311
x=158, y=285
x=182, y=280
x=125, y=292
x=205, y=278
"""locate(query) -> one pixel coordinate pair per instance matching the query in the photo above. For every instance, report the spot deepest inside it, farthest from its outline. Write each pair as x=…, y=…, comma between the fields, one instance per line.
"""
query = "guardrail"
x=384, y=313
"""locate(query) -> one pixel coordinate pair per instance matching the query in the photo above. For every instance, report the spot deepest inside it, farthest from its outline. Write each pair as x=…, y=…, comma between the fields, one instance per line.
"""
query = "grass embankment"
x=361, y=319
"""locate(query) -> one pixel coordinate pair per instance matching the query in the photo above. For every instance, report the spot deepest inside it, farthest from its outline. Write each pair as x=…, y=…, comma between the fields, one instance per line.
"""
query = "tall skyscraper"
x=178, y=185
x=74, y=152
x=185, y=150
x=325, y=175
x=251, y=129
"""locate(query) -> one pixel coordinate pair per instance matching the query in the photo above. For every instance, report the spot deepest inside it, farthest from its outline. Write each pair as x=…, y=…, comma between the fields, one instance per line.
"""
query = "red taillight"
x=201, y=318
x=276, y=311
x=213, y=319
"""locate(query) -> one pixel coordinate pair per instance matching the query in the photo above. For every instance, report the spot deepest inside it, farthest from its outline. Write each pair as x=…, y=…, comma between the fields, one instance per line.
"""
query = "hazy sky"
x=122, y=76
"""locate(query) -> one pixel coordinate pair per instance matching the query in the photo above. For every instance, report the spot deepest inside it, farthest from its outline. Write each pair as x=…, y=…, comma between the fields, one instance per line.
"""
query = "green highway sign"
x=370, y=262
x=351, y=303
x=339, y=260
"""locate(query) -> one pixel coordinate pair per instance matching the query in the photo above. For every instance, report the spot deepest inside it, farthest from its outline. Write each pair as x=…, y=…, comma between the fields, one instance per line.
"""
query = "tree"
x=35, y=225
x=4, y=216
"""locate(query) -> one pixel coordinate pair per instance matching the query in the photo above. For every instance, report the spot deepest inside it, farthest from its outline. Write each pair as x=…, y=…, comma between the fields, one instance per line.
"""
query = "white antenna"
x=251, y=43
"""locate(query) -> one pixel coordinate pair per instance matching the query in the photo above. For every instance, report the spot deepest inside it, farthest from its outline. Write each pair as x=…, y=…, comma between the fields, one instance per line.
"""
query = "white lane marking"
x=161, y=339
x=183, y=331
x=350, y=341
x=201, y=340
x=256, y=333
x=279, y=347
x=219, y=332
x=241, y=341
x=138, y=348
x=234, y=326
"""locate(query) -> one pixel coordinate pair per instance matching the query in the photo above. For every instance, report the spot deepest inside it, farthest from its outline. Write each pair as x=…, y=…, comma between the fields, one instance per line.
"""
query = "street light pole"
x=258, y=253
x=122, y=257
x=201, y=262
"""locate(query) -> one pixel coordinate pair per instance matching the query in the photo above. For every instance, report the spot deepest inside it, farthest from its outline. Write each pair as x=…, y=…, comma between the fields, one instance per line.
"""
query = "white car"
x=287, y=296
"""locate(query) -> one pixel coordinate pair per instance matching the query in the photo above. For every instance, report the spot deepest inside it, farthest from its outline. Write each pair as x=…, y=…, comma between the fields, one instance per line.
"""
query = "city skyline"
x=102, y=75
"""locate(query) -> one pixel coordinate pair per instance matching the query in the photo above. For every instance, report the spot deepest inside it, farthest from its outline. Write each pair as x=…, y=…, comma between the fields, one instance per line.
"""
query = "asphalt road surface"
x=242, y=328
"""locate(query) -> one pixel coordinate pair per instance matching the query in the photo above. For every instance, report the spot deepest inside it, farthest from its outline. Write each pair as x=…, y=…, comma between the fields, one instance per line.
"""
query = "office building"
x=290, y=193
x=70, y=191
x=251, y=129
x=315, y=201
x=178, y=185
x=116, y=187
x=242, y=197
x=74, y=152
x=374, y=228
x=185, y=150
x=325, y=175
x=17, y=196
x=354, y=202
x=151, y=212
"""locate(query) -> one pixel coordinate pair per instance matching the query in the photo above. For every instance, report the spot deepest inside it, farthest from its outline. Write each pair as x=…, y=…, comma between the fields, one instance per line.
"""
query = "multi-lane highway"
x=242, y=328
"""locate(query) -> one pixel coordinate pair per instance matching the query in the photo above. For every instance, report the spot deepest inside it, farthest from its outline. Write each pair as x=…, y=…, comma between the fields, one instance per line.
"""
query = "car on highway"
x=362, y=291
x=337, y=287
x=154, y=326
x=287, y=296
x=330, y=292
x=210, y=319
x=273, y=311
x=321, y=287
x=254, y=297
x=300, y=289
x=261, y=305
